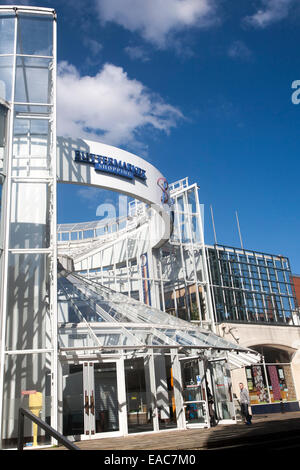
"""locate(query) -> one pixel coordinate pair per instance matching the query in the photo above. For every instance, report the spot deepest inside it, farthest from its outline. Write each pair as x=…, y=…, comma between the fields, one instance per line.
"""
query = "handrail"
x=59, y=437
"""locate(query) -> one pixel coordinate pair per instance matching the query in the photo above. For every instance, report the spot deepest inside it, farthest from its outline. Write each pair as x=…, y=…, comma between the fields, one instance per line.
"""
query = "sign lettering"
x=110, y=165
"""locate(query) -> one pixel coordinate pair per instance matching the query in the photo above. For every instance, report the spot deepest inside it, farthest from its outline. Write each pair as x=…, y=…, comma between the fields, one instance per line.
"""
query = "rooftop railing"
x=88, y=231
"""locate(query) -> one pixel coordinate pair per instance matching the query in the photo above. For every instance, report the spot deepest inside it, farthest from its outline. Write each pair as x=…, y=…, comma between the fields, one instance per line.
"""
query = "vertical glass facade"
x=28, y=218
x=249, y=286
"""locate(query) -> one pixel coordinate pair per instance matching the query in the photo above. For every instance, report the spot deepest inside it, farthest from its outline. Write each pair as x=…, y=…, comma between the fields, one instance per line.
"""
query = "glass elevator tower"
x=28, y=360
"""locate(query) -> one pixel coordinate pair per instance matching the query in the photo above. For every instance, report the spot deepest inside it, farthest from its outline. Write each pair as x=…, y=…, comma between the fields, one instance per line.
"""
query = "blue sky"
x=200, y=88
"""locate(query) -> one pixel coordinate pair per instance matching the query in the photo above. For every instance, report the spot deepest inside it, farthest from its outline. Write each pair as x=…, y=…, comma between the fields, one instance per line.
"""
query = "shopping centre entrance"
x=120, y=397
x=91, y=399
x=97, y=404
x=117, y=397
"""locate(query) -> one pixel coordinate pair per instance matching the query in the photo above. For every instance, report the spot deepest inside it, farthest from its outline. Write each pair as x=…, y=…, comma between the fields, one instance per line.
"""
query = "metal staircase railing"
x=49, y=430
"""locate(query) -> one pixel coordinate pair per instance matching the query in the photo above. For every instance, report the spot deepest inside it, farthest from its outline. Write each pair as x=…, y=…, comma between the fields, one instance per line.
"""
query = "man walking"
x=245, y=402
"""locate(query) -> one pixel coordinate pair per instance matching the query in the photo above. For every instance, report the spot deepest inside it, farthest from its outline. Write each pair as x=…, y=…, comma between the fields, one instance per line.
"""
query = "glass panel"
x=6, y=74
x=192, y=204
x=73, y=418
x=7, y=23
x=191, y=381
x=106, y=397
x=27, y=309
x=185, y=229
x=72, y=338
x=196, y=229
x=170, y=303
x=223, y=390
x=287, y=389
x=28, y=385
x=165, y=392
x=275, y=391
x=31, y=138
x=35, y=35
x=286, y=306
x=22, y=109
x=138, y=395
x=30, y=229
x=180, y=203
x=33, y=80
x=3, y=114
x=1, y=234
x=257, y=386
x=193, y=393
x=220, y=305
x=195, y=413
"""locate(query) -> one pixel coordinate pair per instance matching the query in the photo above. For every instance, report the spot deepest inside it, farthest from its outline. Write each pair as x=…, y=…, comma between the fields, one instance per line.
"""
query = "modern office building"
x=107, y=328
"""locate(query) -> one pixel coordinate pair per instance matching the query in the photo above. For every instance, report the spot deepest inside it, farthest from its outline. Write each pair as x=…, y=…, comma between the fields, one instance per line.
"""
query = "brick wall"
x=296, y=280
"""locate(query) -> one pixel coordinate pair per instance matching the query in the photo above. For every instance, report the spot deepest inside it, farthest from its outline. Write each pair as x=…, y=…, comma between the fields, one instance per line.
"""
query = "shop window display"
x=270, y=383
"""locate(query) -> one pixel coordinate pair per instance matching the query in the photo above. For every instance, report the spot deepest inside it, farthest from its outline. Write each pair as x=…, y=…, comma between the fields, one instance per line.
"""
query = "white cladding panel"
x=70, y=171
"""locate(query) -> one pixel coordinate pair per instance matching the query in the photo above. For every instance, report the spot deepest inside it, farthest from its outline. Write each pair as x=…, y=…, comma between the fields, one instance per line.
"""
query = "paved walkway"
x=272, y=427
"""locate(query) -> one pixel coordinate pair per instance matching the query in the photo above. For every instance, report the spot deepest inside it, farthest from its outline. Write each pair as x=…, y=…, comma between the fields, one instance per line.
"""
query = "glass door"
x=195, y=404
x=72, y=398
x=139, y=396
x=91, y=399
x=105, y=387
x=165, y=396
x=221, y=381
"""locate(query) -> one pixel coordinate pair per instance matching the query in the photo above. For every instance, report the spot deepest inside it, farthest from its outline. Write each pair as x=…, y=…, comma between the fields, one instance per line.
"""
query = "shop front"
x=114, y=397
x=118, y=397
x=271, y=382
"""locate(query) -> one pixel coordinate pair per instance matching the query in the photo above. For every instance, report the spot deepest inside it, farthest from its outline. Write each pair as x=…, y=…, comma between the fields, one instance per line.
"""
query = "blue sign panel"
x=110, y=165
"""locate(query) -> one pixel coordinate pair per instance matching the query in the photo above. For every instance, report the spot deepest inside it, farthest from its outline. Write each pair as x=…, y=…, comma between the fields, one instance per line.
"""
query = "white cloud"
x=94, y=46
x=137, y=53
x=239, y=50
x=155, y=20
x=271, y=11
x=109, y=106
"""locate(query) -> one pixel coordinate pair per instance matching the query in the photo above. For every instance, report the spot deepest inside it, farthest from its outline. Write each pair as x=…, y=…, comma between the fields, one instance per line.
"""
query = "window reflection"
x=35, y=35
x=250, y=286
